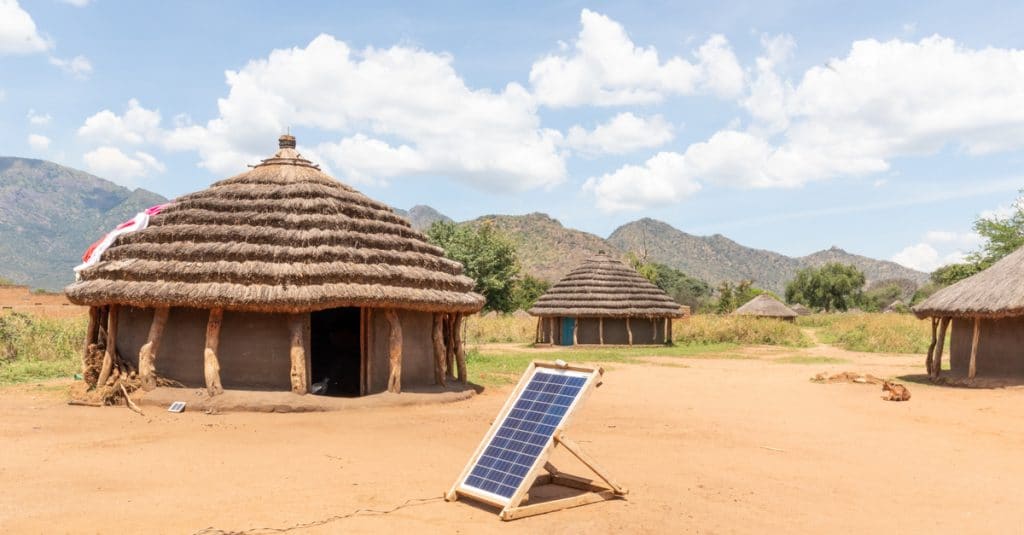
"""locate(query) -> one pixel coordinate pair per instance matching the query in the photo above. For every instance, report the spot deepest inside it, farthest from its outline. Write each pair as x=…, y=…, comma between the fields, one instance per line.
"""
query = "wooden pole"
x=439, y=350
x=575, y=331
x=664, y=331
x=629, y=331
x=297, y=329
x=362, y=351
x=551, y=329
x=937, y=365
x=150, y=350
x=671, y=339
x=460, y=349
x=931, y=348
x=211, y=366
x=974, y=349
x=394, y=351
x=91, y=335
x=370, y=335
x=108, y=356
x=600, y=330
x=449, y=345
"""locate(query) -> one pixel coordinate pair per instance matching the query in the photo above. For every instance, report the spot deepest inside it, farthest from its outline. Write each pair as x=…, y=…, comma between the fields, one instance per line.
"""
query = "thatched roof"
x=604, y=287
x=997, y=292
x=766, y=306
x=281, y=237
x=801, y=309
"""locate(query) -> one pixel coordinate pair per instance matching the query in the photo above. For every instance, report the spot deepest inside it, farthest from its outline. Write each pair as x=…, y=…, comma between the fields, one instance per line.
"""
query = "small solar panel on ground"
x=526, y=430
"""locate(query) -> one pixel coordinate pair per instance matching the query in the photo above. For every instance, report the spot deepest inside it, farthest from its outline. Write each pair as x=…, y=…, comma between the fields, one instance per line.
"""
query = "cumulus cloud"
x=113, y=164
x=38, y=119
x=394, y=111
x=853, y=115
x=38, y=143
x=18, y=33
x=661, y=180
x=938, y=248
x=78, y=66
x=135, y=126
x=622, y=134
x=605, y=68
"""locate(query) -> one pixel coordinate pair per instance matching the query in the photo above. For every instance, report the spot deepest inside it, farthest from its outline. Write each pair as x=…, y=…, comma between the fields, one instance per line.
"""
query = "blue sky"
x=790, y=126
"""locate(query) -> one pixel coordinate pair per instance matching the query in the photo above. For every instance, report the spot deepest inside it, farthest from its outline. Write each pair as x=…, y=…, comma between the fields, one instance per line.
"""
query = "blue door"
x=567, y=326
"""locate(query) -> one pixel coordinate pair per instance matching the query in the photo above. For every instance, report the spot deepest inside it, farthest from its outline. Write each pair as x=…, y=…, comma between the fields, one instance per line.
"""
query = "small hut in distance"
x=766, y=306
x=801, y=309
x=603, y=301
x=987, y=315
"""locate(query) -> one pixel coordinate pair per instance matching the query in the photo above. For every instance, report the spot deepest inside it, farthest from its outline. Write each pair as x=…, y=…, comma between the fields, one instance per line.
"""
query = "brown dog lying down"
x=895, y=392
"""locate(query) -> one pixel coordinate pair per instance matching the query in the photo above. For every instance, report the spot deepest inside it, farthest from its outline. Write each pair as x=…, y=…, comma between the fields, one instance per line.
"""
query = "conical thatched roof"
x=997, y=292
x=604, y=287
x=281, y=237
x=801, y=309
x=766, y=306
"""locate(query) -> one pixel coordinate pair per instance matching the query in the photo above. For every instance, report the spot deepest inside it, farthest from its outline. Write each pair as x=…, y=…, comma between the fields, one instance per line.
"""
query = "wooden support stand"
x=211, y=365
x=150, y=350
x=394, y=351
x=299, y=372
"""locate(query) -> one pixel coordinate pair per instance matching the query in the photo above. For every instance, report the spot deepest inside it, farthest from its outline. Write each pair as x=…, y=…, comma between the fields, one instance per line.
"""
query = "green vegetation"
x=526, y=291
x=833, y=286
x=488, y=255
x=873, y=333
x=732, y=296
x=1002, y=236
x=684, y=289
x=500, y=329
x=705, y=329
x=33, y=348
x=877, y=298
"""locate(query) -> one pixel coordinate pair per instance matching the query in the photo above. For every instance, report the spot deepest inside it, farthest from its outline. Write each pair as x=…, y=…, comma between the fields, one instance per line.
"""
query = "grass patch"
x=496, y=367
x=36, y=348
x=500, y=329
x=872, y=333
x=810, y=359
x=739, y=330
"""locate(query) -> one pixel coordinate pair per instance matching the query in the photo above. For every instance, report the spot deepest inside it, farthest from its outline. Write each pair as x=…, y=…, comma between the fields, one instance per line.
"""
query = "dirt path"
x=717, y=446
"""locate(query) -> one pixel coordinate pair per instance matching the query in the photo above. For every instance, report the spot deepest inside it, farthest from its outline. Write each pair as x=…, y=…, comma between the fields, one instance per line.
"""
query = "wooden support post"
x=974, y=349
x=362, y=351
x=108, y=356
x=460, y=349
x=590, y=463
x=931, y=348
x=150, y=350
x=449, y=345
x=536, y=338
x=664, y=331
x=211, y=366
x=91, y=336
x=394, y=351
x=629, y=331
x=575, y=331
x=600, y=330
x=551, y=330
x=439, y=350
x=671, y=339
x=654, y=330
x=369, y=351
x=937, y=365
x=296, y=329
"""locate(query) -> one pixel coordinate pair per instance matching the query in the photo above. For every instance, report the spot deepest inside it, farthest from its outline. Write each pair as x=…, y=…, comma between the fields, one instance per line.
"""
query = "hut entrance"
x=336, y=352
x=568, y=326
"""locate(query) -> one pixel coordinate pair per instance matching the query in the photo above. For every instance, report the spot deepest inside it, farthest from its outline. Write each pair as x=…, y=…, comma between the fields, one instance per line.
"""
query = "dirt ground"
x=704, y=446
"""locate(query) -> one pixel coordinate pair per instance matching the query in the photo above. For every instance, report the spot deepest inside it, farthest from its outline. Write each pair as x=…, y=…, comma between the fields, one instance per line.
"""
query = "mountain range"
x=49, y=214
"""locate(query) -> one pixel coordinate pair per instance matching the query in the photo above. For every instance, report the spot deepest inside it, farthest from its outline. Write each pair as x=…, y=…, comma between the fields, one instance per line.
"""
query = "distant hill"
x=49, y=215
x=874, y=270
x=422, y=216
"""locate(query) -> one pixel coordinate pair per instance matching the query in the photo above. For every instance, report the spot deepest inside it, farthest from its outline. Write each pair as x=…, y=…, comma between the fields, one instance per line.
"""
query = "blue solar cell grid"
x=526, y=430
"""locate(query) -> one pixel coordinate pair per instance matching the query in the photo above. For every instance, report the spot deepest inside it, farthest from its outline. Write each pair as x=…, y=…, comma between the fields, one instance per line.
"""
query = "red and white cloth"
x=95, y=251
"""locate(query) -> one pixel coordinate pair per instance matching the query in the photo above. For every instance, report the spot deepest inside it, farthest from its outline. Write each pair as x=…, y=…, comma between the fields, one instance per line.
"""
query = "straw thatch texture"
x=801, y=309
x=997, y=292
x=282, y=237
x=765, y=306
x=605, y=287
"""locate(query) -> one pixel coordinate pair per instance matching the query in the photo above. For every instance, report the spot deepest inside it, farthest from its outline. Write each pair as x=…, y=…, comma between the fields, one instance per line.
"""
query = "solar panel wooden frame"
x=542, y=472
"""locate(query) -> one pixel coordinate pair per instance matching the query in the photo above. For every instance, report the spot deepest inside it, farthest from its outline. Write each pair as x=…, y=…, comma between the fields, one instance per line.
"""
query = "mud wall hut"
x=766, y=306
x=277, y=278
x=985, y=316
x=604, y=301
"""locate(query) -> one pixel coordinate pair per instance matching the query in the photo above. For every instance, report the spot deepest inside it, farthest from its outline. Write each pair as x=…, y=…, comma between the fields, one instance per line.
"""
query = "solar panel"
x=525, y=432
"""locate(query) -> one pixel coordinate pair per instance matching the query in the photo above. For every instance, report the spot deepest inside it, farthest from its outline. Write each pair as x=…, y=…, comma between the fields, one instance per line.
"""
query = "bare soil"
x=704, y=446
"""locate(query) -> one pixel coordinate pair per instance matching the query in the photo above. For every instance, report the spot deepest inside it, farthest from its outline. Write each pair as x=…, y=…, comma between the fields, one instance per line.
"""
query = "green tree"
x=833, y=286
x=526, y=290
x=948, y=274
x=876, y=299
x=734, y=295
x=683, y=289
x=489, y=258
x=1002, y=235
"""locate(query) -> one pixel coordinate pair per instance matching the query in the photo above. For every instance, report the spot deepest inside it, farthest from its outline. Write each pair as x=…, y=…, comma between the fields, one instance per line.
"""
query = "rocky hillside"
x=874, y=270
x=422, y=216
x=49, y=214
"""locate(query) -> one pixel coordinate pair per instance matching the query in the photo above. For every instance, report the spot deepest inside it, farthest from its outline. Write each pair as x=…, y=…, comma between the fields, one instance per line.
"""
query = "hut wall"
x=417, y=350
x=254, y=350
x=1000, y=346
x=615, y=331
x=549, y=336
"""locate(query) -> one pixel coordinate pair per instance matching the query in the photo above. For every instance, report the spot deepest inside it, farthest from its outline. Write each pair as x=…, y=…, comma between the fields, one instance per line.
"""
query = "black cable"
x=365, y=510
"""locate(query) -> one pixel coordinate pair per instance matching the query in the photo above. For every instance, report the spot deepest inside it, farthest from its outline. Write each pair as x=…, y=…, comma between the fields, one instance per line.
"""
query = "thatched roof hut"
x=604, y=301
x=987, y=313
x=285, y=254
x=801, y=309
x=766, y=306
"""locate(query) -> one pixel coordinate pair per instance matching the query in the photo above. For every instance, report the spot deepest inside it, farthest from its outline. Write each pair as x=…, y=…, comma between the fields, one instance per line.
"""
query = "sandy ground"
x=704, y=446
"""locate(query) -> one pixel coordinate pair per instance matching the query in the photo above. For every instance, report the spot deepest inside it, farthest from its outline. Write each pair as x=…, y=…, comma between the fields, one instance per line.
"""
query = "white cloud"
x=938, y=248
x=136, y=126
x=661, y=180
x=622, y=134
x=38, y=119
x=112, y=164
x=38, y=143
x=78, y=66
x=77, y=3
x=394, y=111
x=18, y=33
x=605, y=68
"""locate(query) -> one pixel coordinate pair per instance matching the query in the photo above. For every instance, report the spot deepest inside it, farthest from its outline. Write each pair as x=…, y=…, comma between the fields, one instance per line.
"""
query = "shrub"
x=33, y=348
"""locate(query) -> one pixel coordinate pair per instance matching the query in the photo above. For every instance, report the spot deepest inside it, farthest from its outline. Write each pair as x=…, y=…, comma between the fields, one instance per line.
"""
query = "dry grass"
x=34, y=348
x=713, y=329
x=500, y=329
x=873, y=333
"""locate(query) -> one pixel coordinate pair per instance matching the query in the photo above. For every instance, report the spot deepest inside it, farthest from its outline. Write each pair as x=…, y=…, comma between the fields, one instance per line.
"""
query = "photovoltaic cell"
x=527, y=428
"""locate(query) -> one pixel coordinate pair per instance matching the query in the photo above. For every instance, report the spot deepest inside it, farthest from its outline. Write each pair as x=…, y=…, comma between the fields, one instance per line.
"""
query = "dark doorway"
x=336, y=354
